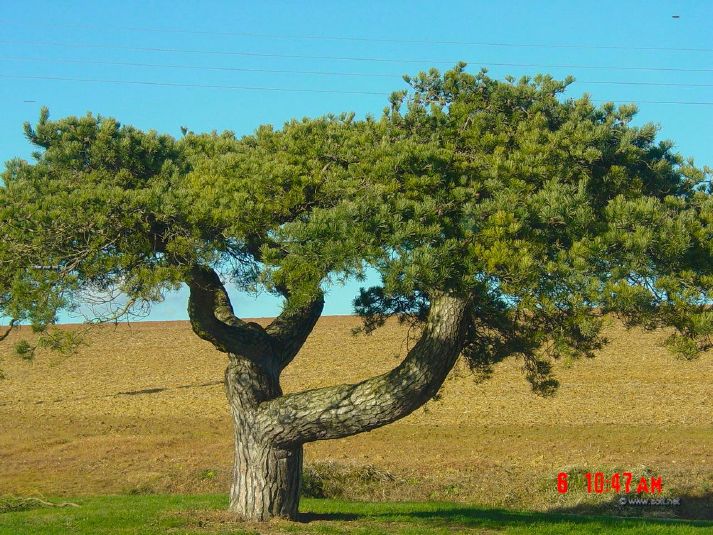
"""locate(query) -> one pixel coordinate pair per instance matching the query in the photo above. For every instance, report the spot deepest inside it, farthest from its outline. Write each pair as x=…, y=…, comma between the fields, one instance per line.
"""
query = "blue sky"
x=47, y=48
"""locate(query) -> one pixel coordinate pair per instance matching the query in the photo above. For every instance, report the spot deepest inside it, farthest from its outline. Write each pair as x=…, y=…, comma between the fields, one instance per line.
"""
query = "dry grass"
x=141, y=410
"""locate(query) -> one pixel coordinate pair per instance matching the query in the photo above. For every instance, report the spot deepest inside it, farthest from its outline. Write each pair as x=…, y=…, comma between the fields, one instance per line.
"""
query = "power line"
x=177, y=84
x=200, y=67
x=639, y=101
x=293, y=37
x=285, y=89
x=351, y=58
x=307, y=72
x=661, y=84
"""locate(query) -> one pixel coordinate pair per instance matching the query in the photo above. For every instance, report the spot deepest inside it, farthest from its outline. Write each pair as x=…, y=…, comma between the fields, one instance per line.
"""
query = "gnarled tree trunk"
x=271, y=428
x=266, y=478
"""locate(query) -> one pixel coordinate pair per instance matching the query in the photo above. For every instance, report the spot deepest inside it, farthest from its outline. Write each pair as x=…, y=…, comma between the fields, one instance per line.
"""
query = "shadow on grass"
x=694, y=511
x=306, y=518
x=691, y=507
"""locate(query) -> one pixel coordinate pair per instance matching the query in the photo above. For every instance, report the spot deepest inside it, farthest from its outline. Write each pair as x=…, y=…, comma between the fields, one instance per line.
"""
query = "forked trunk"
x=270, y=429
x=266, y=475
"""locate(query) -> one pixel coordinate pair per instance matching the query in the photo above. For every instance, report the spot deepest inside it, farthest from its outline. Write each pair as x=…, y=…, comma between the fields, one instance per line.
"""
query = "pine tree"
x=504, y=220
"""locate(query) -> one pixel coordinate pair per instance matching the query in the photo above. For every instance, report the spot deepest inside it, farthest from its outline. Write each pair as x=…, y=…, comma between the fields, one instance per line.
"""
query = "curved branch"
x=291, y=328
x=344, y=410
x=212, y=318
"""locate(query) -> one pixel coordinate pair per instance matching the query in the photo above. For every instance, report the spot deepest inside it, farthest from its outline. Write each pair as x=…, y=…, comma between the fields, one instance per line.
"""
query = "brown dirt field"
x=141, y=409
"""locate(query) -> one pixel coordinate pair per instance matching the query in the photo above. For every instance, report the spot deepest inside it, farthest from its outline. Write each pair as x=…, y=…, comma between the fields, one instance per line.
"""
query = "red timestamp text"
x=624, y=482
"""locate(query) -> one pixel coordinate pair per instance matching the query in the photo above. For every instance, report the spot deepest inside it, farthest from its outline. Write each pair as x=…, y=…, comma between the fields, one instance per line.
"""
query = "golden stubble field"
x=142, y=409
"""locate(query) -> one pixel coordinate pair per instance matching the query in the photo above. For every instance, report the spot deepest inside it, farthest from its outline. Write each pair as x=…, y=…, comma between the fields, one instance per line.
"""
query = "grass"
x=205, y=514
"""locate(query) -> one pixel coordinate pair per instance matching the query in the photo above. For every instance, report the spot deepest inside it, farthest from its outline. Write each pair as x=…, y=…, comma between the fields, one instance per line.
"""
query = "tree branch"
x=344, y=410
x=291, y=328
x=212, y=318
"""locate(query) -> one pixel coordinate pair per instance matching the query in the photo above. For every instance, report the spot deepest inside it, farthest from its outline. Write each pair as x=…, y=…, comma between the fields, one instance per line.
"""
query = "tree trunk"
x=266, y=476
x=270, y=429
x=266, y=479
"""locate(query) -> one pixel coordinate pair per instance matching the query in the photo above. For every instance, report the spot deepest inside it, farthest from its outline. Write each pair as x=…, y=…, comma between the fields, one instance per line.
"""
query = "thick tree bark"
x=266, y=478
x=270, y=428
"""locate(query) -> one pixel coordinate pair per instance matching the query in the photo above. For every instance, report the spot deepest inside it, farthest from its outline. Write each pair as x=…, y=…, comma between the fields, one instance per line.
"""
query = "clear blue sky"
x=602, y=41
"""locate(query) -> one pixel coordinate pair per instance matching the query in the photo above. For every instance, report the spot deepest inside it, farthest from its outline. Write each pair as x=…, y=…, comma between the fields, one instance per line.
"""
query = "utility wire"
x=294, y=37
x=284, y=89
x=208, y=86
x=290, y=71
x=351, y=58
x=199, y=67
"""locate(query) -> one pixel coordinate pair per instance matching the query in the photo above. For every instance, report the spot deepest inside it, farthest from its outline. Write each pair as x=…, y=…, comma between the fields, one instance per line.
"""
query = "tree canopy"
x=108, y=213
x=545, y=212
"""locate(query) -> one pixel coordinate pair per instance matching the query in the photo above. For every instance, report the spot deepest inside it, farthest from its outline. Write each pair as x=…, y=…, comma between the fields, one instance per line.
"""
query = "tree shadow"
x=141, y=392
x=307, y=517
x=690, y=507
x=694, y=511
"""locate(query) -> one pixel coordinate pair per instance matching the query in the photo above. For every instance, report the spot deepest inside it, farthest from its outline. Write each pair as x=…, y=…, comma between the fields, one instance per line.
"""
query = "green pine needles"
x=545, y=212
